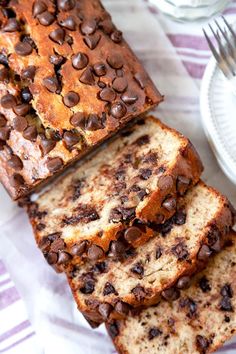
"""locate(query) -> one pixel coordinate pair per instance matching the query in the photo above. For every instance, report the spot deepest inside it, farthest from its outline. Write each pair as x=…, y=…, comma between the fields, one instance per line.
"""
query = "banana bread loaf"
x=200, y=321
x=136, y=177
x=68, y=80
x=138, y=277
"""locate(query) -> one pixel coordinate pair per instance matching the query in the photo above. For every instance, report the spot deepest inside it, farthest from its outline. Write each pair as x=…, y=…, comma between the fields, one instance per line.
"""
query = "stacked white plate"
x=218, y=110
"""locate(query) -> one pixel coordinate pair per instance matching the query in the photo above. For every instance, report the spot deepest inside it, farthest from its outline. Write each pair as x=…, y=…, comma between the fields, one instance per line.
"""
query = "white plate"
x=218, y=111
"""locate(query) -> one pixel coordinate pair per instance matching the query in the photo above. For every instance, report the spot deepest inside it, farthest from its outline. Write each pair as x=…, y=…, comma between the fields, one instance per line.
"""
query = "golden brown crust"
x=76, y=61
x=222, y=221
x=218, y=275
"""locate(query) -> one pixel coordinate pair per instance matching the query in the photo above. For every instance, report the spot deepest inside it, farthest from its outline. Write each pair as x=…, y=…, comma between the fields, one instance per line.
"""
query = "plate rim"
x=223, y=157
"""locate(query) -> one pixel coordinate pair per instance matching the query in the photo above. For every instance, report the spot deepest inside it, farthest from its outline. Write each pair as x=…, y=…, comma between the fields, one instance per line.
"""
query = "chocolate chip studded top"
x=196, y=319
x=158, y=268
x=60, y=58
x=109, y=192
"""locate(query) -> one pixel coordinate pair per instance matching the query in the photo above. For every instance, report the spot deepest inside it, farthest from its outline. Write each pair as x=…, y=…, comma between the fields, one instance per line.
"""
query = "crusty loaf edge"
x=224, y=220
x=118, y=326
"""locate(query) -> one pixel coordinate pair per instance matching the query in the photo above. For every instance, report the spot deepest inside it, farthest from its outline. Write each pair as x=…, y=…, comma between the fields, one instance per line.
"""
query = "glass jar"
x=190, y=10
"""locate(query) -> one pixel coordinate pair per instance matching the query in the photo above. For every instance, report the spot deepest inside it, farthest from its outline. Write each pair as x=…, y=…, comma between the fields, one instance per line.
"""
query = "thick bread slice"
x=112, y=287
x=200, y=321
x=137, y=176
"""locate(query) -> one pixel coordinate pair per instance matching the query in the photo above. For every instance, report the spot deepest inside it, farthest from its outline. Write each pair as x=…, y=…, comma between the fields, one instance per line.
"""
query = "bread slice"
x=200, y=321
x=137, y=176
x=112, y=287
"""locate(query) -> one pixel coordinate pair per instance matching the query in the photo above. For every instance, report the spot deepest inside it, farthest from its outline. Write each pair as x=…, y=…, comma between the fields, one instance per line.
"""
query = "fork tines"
x=224, y=48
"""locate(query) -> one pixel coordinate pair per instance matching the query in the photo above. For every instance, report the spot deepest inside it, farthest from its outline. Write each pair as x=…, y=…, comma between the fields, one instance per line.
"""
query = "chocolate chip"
x=38, y=8
x=183, y=282
x=109, y=289
x=105, y=310
x=69, y=23
x=87, y=77
x=132, y=234
x=26, y=95
x=4, y=74
x=138, y=269
x=8, y=101
x=122, y=214
x=100, y=69
x=46, y=18
x=118, y=110
x=54, y=164
x=170, y=294
x=116, y=36
x=85, y=214
x=23, y=49
x=145, y=173
x=16, y=180
x=51, y=258
x=154, y=332
x=92, y=40
x=139, y=292
x=30, y=133
x=78, y=120
x=204, y=253
x=225, y=304
x=182, y=184
x=12, y=25
x=94, y=123
x=226, y=290
x=113, y=329
x=63, y=257
x=58, y=243
x=71, y=139
x=58, y=35
x=88, y=26
x=202, y=344
x=129, y=97
x=107, y=94
x=165, y=183
x=169, y=203
x=117, y=250
x=180, y=217
x=204, y=284
x=71, y=99
x=190, y=305
x=4, y=133
x=51, y=83
x=15, y=163
x=141, y=79
x=56, y=59
x=79, y=60
x=88, y=287
x=158, y=252
x=95, y=252
x=3, y=120
x=79, y=249
x=120, y=84
x=122, y=308
x=142, y=140
x=22, y=109
x=47, y=145
x=180, y=250
x=115, y=61
x=3, y=59
x=65, y=5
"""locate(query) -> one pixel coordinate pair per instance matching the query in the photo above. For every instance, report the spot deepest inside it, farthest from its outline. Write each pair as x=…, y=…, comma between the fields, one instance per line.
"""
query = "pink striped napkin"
x=16, y=332
x=175, y=55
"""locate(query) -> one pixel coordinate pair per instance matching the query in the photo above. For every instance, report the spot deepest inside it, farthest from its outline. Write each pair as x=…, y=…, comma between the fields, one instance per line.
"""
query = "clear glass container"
x=190, y=10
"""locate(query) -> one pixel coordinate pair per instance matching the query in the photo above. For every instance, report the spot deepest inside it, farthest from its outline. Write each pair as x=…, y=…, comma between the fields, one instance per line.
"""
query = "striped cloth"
x=175, y=55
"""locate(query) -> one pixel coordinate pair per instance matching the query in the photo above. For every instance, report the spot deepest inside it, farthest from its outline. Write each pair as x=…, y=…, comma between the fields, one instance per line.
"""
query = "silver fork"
x=225, y=52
